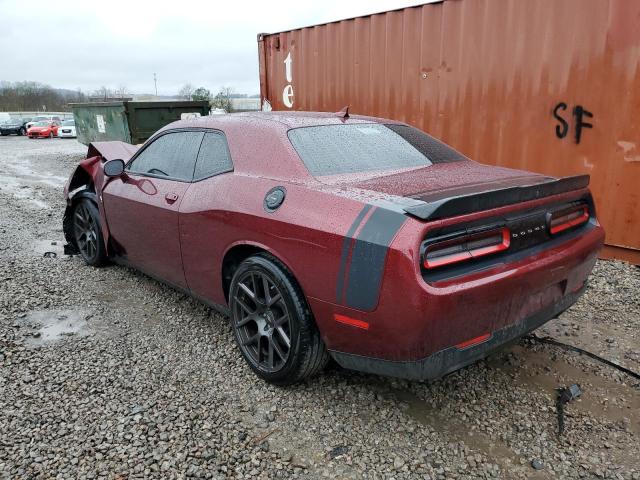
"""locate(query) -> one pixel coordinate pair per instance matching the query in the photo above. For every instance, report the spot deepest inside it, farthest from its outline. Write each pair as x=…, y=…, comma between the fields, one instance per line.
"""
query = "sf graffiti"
x=578, y=119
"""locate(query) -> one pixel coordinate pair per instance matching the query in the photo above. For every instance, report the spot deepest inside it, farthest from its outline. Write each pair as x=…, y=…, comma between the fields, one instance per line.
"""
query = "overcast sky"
x=87, y=44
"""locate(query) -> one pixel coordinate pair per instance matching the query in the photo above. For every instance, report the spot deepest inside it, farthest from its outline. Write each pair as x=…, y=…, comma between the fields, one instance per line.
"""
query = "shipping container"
x=131, y=122
x=543, y=85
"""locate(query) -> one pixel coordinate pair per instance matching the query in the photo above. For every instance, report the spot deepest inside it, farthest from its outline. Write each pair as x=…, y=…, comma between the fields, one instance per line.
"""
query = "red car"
x=44, y=129
x=328, y=235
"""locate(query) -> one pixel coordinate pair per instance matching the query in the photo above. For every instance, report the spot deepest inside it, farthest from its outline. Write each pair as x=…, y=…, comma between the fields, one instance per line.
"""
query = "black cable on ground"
x=551, y=341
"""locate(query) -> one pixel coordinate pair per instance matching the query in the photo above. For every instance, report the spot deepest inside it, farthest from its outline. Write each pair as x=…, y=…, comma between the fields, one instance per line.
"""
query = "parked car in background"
x=43, y=118
x=354, y=237
x=44, y=129
x=67, y=129
x=14, y=126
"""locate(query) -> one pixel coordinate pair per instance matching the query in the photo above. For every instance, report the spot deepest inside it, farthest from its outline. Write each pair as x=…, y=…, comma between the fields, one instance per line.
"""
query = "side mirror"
x=114, y=168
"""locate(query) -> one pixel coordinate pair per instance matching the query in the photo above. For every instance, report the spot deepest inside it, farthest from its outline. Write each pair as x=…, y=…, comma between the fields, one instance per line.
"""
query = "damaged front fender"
x=87, y=181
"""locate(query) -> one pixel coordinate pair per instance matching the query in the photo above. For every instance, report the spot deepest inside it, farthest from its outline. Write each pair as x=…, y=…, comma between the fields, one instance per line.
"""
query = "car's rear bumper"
x=420, y=329
x=453, y=358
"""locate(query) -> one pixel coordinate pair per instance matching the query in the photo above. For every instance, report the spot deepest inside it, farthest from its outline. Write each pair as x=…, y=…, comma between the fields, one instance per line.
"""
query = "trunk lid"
x=448, y=189
x=439, y=179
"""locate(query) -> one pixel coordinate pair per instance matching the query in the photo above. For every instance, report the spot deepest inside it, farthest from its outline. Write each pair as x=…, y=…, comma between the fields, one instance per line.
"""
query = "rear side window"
x=213, y=157
x=172, y=155
x=338, y=149
x=437, y=151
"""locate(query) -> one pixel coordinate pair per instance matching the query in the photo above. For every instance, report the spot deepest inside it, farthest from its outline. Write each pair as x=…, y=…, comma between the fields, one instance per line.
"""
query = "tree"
x=25, y=96
x=103, y=93
x=223, y=99
x=201, y=94
x=121, y=92
x=186, y=91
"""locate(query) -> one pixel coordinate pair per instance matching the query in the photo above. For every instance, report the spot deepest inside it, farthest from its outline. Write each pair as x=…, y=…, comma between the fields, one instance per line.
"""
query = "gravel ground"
x=105, y=373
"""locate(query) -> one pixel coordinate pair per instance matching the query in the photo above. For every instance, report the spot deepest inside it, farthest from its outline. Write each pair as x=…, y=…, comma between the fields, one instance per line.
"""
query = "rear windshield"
x=68, y=123
x=342, y=149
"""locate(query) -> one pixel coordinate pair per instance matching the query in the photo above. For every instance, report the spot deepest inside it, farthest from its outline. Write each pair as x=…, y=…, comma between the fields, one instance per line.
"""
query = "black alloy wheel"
x=88, y=234
x=262, y=321
x=272, y=323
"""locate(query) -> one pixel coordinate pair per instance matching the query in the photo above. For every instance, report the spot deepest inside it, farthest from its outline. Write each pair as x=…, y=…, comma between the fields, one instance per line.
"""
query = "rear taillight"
x=466, y=247
x=568, y=218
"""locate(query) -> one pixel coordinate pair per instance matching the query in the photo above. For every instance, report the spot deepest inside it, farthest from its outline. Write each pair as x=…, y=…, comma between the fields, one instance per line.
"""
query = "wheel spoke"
x=252, y=339
x=265, y=286
x=244, y=306
x=245, y=320
x=282, y=320
x=275, y=299
x=80, y=219
x=284, y=336
x=248, y=291
x=270, y=354
x=278, y=350
x=255, y=287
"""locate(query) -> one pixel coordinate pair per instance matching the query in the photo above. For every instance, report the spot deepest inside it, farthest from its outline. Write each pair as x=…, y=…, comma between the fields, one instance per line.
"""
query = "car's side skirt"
x=222, y=309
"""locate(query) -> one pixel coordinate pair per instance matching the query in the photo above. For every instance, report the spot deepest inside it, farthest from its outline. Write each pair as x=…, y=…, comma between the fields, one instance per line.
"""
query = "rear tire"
x=88, y=233
x=50, y=134
x=272, y=323
x=21, y=132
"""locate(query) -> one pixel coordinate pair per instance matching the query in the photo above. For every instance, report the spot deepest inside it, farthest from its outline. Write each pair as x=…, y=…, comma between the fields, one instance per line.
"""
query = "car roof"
x=277, y=120
x=258, y=141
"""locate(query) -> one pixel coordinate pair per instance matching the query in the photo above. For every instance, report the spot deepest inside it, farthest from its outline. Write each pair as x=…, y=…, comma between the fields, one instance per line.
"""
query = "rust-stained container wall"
x=544, y=85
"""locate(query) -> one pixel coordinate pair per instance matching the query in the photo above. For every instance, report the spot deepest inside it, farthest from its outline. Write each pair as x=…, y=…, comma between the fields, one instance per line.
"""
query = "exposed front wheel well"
x=79, y=180
x=232, y=259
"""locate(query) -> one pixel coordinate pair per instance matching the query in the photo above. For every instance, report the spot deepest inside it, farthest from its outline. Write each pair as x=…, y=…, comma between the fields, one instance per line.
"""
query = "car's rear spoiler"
x=462, y=204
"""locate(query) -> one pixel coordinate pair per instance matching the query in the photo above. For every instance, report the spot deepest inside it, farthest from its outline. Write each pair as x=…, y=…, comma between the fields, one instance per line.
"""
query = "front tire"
x=88, y=233
x=21, y=132
x=272, y=323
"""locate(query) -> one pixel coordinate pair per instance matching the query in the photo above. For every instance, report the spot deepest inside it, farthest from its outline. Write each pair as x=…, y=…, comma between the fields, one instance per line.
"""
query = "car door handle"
x=171, y=197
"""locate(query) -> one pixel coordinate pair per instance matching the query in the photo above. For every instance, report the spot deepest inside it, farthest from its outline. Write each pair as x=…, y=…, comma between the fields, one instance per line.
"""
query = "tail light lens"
x=466, y=247
x=568, y=218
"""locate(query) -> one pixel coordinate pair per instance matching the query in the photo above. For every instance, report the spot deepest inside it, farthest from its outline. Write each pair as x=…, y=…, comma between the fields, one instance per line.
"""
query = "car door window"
x=172, y=155
x=213, y=158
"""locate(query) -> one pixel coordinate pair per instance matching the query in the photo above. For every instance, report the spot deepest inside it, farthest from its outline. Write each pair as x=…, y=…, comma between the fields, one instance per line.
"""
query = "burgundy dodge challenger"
x=328, y=235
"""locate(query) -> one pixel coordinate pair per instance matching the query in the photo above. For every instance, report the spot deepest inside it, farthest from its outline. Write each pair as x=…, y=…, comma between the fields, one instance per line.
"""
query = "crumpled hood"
x=112, y=150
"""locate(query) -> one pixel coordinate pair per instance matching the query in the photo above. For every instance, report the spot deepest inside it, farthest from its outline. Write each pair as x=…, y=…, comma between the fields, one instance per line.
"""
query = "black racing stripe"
x=346, y=244
x=368, y=258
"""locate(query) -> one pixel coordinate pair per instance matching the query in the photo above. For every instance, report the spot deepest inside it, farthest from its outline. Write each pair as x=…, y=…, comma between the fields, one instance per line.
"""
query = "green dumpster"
x=129, y=121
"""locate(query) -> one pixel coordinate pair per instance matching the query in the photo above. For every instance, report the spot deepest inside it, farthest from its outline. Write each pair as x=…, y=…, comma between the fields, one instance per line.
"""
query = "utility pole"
x=155, y=82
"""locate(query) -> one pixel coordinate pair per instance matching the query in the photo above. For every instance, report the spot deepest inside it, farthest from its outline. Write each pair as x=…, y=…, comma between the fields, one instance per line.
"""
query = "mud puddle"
x=42, y=247
x=44, y=327
x=601, y=397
